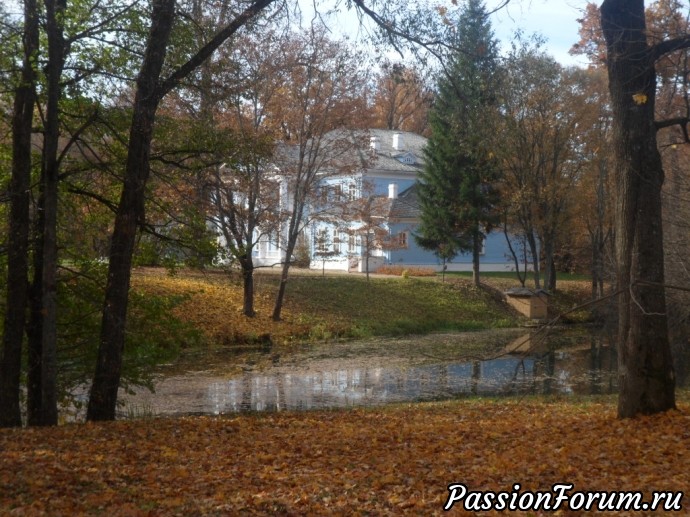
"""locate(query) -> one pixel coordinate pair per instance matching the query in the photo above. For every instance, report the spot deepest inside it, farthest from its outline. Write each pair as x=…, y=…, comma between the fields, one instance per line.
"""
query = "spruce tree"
x=456, y=187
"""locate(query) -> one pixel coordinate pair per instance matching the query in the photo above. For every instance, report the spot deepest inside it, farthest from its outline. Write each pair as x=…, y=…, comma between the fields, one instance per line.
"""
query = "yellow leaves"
x=640, y=99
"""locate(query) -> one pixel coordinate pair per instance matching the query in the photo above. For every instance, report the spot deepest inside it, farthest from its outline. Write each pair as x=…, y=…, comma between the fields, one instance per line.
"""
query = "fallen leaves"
x=390, y=461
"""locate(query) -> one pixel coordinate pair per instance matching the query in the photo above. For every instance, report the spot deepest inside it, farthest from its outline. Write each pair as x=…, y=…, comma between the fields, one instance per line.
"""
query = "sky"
x=556, y=20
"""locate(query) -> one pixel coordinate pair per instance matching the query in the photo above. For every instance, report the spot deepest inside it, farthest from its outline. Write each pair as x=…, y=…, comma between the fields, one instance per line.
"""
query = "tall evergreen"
x=456, y=188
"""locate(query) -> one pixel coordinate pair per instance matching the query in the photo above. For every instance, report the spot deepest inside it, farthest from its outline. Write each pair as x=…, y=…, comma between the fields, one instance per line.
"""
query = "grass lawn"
x=397, y=460
x=340, y=306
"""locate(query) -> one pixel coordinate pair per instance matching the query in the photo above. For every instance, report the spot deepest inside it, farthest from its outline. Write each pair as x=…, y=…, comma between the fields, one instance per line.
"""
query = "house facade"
x=367, y=218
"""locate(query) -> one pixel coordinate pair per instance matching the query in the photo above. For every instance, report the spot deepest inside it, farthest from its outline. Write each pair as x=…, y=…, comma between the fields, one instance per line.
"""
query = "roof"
x=406, y=205
x=525, y=292
x=397, y=152
x=388, y=158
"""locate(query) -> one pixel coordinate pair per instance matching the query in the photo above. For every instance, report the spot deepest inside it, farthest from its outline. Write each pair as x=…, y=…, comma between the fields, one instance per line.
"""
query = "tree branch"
x=666, y=47
x=205, y=52
x=104, y=201
x=681, y=122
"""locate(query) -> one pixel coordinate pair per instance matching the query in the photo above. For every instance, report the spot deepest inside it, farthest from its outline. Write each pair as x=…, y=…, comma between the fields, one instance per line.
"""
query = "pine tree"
x=456, y=191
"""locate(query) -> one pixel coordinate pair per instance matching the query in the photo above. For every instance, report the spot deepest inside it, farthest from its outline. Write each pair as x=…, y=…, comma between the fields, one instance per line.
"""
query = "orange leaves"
x=385, y=462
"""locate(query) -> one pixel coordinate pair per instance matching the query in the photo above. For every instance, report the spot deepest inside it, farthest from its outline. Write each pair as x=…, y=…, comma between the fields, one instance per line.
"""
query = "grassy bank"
x=338, y=306
x=397, y=460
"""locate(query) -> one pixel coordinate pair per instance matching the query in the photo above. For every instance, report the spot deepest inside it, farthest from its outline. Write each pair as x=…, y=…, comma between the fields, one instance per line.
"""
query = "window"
x=336, y=192
x=321, y=240
x=398, y=240
x=336, y=241
x=273, y=241
x=351, y=243
x=352, y=192
x=322, y=194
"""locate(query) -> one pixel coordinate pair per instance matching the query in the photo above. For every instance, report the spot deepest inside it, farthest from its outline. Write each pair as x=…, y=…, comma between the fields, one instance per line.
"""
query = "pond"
x=337, y=375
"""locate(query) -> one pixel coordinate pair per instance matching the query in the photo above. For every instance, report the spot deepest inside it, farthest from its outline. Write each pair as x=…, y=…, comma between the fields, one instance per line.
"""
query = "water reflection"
x=524, y=368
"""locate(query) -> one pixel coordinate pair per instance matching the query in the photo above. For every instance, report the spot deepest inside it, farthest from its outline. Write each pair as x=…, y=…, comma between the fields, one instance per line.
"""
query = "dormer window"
x=407, y=159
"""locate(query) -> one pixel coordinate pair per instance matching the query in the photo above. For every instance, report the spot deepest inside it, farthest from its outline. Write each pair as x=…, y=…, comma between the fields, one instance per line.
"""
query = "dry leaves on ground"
x=389, y=461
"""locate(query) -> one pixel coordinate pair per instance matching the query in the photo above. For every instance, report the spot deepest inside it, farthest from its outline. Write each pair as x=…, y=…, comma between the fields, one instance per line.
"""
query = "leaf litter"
x=386, y=461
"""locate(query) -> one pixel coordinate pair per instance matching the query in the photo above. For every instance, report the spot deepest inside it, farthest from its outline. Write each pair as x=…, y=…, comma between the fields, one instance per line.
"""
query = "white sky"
x=556, y=20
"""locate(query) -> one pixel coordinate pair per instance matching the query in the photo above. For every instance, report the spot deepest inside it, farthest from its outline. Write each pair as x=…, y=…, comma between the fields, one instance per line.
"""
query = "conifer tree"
x=456, y=188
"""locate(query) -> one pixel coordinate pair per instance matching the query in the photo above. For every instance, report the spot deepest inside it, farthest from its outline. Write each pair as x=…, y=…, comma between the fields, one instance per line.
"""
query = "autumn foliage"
x=394, y=461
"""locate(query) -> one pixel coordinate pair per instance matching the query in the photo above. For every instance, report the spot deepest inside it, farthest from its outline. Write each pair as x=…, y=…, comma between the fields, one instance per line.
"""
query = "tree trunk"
x=34, y=332
x=596, y=269
x=521, y=276
x=55, y=10
x=549, y=265
x=368, y=254
x=247, y=265
x=534, y=251
x=292, y=236
x=646, y=376
x=130, y=212
x=278, y=307
x=19, y=222
x=476, y=251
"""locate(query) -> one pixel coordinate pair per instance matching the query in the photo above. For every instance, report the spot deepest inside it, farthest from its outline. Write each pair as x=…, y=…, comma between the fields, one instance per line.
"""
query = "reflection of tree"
x=550, y=362
x=612, y=368
x=280, y=392
x=476, y=376
x=443, y=384
x=516, y=382
x=246, y=400
x=595, y=366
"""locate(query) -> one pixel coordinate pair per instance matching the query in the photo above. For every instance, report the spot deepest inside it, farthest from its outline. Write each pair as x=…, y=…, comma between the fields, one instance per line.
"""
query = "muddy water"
x=335, y=375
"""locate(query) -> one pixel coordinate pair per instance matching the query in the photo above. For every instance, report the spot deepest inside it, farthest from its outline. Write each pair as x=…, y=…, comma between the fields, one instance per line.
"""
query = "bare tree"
x=245, y=191
x=322, y=99
x=244, y=196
